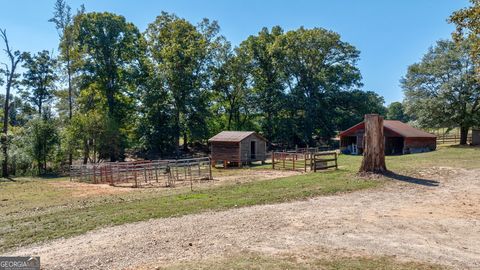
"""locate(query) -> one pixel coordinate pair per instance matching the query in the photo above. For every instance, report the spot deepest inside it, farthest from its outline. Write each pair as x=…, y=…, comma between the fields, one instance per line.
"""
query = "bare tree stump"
x=374, y=145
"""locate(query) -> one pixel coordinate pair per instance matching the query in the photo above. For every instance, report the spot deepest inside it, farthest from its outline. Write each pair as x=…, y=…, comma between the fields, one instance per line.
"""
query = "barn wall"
x=414, y=145
x=225, y=151
x=260, y=148
x=411, y=145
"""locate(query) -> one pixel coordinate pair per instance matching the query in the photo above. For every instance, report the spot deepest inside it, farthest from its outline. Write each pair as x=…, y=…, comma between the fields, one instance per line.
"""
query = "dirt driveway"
x=431, y=220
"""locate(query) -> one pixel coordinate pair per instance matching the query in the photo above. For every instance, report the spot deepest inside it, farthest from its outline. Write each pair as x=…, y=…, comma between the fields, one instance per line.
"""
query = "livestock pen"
x=144, y=173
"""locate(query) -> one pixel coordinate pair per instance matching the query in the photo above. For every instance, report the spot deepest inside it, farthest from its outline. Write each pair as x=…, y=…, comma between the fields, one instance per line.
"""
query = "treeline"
x=443, y=89
x=113, y=89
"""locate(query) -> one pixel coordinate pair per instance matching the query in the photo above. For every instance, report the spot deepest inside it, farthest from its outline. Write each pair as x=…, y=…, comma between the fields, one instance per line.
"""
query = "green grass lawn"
x=77, y=217
x=257, y=261
x=34, y=210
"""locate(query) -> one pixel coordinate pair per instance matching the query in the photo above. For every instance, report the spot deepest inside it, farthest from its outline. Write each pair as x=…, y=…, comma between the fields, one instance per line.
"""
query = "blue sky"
x=390, y=34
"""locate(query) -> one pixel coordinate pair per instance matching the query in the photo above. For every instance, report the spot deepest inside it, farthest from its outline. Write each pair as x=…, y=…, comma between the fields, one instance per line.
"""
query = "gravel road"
x=435, y=220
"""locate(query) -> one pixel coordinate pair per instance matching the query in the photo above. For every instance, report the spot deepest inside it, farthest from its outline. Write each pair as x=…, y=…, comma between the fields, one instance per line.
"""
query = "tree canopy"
x=114, y=91
x=441, y=90
x=467, y=22
x=39, y=79
x=396, y=111
x=110, y=52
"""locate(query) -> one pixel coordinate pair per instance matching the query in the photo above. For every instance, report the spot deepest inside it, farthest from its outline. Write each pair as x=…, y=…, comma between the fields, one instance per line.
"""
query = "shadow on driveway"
x=413, y=180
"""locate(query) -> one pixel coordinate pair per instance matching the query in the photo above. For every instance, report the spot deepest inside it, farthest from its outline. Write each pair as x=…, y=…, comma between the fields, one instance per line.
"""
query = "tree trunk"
x=70, y=104
x=14, y=60
x=463, y=135
x=374, y=151
x=5, y=132
x=86, y=152
x=177, y=133
x=229, y=123
x=40, y=108
x=5, y=155
x=185, y=141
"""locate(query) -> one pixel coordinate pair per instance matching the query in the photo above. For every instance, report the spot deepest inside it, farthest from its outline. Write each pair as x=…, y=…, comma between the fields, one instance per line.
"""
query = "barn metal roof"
x=395, y=126
x=233, y=136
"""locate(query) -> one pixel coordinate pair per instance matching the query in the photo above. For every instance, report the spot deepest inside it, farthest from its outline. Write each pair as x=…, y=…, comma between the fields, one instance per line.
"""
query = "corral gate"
x=304, y=161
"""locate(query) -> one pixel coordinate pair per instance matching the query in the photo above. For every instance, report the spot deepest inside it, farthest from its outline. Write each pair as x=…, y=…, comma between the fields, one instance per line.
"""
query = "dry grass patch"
x=259, y=261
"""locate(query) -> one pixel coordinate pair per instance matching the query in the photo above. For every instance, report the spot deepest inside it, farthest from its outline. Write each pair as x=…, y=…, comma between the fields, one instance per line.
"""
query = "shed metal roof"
x=395, y=126
x=233, y=136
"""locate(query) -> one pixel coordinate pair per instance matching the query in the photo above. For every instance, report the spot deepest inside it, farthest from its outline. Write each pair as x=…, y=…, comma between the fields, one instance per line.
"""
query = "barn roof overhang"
x=396, y=127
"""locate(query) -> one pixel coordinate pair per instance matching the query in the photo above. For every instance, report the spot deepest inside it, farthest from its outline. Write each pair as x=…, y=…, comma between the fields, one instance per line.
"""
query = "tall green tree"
x=63, y=20
x=233, y=90
x=396, y=111
x=20, y=111
x=43, y=139
x=155, y=126
x=182, y=56
x=9, y=70
x=39, y=79
x=350, y=107
x=257, y=51
x=109, y=52
x=317, y=65
x=467, y=22
x=442, y=91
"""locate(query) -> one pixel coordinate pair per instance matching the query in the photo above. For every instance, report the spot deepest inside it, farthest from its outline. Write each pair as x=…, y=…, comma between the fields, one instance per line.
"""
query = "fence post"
x=305, y=160
x=210, y=169
x=199, y=172
x=145, y=173
x=273, y=159
x=119, y=175
x=191, y=182
x=314, y=163
x=176, y=171
x=135, y=175
x=111, y=174
x=294, y=156
x=185, y=172
x=94, y=178
x=336, y=163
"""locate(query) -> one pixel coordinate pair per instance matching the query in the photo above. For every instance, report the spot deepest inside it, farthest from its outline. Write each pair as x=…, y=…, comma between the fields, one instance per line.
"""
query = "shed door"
x=253, y=150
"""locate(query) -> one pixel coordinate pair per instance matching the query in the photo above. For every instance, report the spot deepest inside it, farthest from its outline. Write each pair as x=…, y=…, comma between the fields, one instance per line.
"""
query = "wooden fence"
x=451, y=139
x=323, y=161
x=303, y=161
x=144, y=173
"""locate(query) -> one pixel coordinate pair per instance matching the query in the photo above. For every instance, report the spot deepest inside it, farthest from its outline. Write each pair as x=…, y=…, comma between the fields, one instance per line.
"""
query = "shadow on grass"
x=413, y=180
x=50, y=176
x=458, y=146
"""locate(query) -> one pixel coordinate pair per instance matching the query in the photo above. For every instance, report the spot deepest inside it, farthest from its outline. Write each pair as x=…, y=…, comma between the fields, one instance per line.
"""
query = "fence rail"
x=303, y=161
x=144, y=173
x=320, y=162
x=451, y=139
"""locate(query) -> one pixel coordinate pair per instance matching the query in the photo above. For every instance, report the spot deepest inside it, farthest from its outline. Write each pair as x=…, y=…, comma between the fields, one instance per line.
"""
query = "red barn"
x=400, y=138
